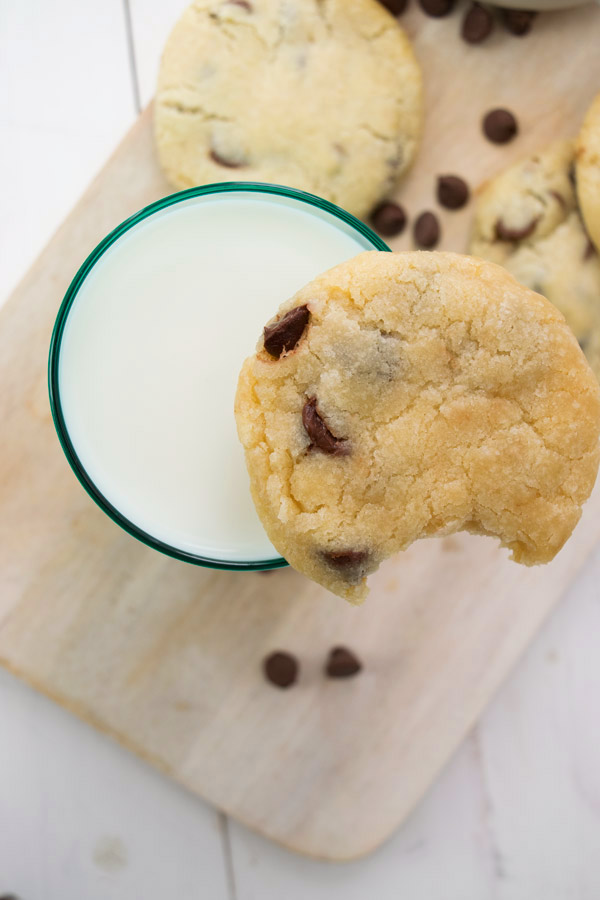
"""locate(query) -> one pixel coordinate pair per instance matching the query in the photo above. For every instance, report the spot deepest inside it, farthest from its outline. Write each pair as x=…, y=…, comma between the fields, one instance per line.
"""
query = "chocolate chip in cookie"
x=342, y=663
x=477, y=24
x=389, y=219
x=283, y=335
x=500, y=126
x=318, y=432
x=505, y=233
x=452, y=191
x=351, y=565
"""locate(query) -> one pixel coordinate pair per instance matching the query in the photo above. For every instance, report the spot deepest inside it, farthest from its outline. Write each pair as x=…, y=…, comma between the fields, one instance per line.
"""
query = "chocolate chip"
x=504, y=233
x=477, y=24
x=342, y=663
x=396, y=7
x=437, y=8
x=223, y=161
x=452, y=191
x=389, y=219
x=320, y=435
x=351, y=565
x=518, y=21
x=426, y=230
x=283, y=335
x=281, y=669
x=499, y=126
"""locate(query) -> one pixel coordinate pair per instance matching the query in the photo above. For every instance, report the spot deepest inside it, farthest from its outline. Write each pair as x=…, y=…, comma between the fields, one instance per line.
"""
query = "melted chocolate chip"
x=342, y=663
x=320, y=435
x=426, y=230
x=283, y=335
x=504, y=233
x=389, y=219
x=281, y=669
x=452, y=191
x=437, y=8
x=224, y=161
x=500, y=126
x=348, y=564
x=396, y=7
x=477, y=24
x=518, y=21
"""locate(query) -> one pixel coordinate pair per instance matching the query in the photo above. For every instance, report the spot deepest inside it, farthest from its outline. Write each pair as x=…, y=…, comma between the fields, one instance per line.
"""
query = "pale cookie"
x=407, y=395
x=527, y=220
x=588, y=171
x=321, y=95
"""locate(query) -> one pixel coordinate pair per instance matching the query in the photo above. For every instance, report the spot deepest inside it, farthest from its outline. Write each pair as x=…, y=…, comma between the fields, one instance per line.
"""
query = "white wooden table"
x=516, y=813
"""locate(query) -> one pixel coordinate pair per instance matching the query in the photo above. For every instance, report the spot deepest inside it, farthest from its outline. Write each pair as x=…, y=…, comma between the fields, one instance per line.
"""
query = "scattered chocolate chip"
x=320, y=435
x=559, y=198
x=283, y=335
x=437, y=8
x=396, y=7
x=452, y=191
x=389, y=219
x=590, y=250
x=504, y=233
x=223, y=161
x=477, y=24
x=281, y=669
x=426, y=230
x=342, y=663
x=499, y=126
x=518, y=21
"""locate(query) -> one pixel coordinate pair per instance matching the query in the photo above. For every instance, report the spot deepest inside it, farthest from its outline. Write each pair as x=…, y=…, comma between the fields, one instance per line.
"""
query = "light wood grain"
x=166, y=657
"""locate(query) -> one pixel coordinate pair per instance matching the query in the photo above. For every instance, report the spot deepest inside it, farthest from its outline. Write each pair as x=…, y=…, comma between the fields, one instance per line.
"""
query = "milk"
x=151, y=353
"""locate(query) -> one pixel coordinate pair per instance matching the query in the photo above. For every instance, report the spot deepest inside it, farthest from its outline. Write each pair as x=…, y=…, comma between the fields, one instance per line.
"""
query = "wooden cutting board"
x=165, y=656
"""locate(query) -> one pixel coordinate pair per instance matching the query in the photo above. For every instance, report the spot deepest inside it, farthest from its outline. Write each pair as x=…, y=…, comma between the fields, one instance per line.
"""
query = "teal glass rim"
x=59, y=326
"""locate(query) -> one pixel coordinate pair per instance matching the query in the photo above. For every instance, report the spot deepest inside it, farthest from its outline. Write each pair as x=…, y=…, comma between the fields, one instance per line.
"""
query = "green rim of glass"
x=59, y=326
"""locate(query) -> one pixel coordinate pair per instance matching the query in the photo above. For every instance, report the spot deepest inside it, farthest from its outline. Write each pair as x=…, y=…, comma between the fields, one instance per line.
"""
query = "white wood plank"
x=441, y=853
x=152, y=20
x=82, y=818
x=540, y=755
x=65, y=102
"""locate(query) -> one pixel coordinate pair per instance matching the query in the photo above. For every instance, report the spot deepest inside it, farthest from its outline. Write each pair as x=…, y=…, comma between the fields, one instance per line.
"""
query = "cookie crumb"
x=500, y=126
x=281, y=669
x=342, y=663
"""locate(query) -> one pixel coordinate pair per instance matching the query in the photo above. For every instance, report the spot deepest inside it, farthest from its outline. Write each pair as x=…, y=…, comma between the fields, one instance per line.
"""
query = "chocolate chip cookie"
x=588, y=171
x=527, y=219
x=321, y=95
x=410, y=395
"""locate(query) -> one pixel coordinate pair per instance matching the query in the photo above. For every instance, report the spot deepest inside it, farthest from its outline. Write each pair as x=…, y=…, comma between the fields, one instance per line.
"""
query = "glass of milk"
x=147, y=348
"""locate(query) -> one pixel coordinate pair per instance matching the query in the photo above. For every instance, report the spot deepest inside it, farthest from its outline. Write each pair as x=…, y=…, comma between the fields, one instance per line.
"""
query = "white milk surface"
x=151, y=353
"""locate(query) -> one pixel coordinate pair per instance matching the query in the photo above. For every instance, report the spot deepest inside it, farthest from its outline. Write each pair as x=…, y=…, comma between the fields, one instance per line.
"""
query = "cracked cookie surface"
x=427, y=393
x=527, y=220
x=320, y=95
x=588, y=171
